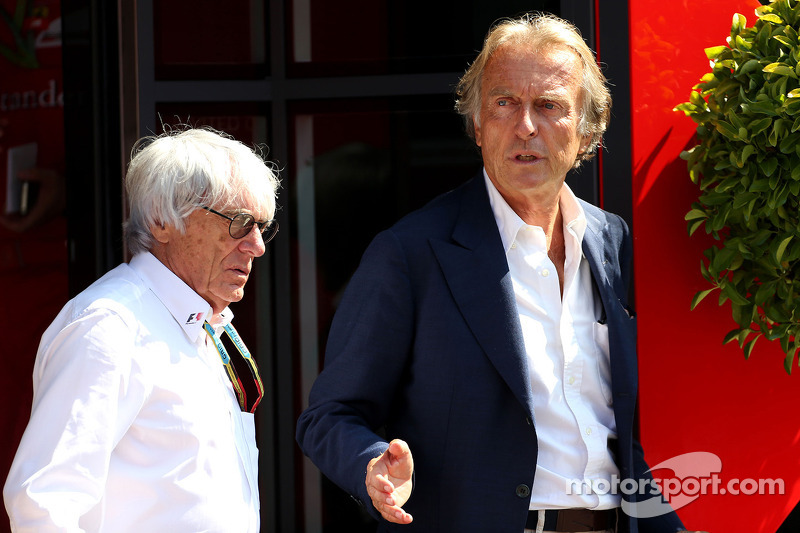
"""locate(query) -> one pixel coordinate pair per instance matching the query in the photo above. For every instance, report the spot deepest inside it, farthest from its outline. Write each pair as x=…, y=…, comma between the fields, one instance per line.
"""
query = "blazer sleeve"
x=367, y=351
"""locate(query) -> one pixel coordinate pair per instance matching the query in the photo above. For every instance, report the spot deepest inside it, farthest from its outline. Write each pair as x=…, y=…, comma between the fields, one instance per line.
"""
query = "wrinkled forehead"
x=534, y=52
x=558, y=68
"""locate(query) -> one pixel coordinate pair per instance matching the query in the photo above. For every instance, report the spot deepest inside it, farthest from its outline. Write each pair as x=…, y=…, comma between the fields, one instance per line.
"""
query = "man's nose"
x=526, y=124
x=253, y=242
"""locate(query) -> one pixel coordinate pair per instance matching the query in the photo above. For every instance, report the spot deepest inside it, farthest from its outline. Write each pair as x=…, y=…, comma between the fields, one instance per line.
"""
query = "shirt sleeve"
x=86, y=393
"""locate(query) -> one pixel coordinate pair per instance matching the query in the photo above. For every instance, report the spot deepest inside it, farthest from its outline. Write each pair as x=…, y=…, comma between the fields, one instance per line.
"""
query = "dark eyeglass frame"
x=245, y=222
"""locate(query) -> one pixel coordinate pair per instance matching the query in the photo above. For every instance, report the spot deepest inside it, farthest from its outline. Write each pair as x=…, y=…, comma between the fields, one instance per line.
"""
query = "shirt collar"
x=509, y=223
x=187, y=307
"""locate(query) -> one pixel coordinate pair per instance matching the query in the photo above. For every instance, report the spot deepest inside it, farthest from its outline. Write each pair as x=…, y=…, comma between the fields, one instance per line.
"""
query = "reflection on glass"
x=392, y=36
x=245, y=122
x=206, y=39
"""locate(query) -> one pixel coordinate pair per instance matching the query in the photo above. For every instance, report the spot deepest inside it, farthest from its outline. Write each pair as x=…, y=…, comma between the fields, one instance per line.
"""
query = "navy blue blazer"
x=426, y=346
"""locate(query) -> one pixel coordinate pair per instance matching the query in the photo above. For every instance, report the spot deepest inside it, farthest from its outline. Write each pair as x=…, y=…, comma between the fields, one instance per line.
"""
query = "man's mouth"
x=522, y=157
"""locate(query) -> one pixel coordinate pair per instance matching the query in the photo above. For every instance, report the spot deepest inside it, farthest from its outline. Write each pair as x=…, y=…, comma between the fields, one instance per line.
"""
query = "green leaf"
x=764, y=108
x=773, y=18
x=739, y=201
x=768, y=166
x=743, y=335
x=728, y=130
x=780, y=69
x=714, y=51
x=700, y=295
x=757, y=126
x=739, y=23
x=731, y=335
x=734, y=295
x=751, y=65
x=782, y=248
x=787, y=362
x=748, y=349
x=747, y=151
x=789, y=143
x=764, y=292
x=694, y=225
x=695, y=214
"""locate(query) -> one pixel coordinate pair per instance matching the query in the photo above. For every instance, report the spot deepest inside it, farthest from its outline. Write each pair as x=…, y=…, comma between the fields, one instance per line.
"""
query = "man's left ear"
x=585, y=142
x=160, y=232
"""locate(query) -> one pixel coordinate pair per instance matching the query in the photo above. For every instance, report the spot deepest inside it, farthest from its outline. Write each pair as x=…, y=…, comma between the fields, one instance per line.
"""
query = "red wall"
x=696, y=394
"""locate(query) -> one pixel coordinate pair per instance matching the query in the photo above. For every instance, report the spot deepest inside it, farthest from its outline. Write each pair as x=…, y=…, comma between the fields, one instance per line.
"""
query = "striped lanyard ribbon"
x=241, y=393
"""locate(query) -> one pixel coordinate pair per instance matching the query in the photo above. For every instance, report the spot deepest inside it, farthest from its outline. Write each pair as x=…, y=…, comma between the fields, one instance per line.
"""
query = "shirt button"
x=545, y=273
x=588, y=431
x=523, y=491
x=514, y=245
x=571, y=380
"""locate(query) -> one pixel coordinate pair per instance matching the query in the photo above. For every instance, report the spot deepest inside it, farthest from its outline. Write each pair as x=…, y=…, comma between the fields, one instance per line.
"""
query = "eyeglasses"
x=242, y=223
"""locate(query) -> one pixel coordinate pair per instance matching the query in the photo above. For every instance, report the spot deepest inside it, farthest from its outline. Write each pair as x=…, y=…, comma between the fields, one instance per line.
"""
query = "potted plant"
x=747, y=166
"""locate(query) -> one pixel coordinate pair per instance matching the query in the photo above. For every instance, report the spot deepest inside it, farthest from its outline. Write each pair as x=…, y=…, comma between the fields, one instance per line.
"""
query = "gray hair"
x=172, y=174
x=539, y=32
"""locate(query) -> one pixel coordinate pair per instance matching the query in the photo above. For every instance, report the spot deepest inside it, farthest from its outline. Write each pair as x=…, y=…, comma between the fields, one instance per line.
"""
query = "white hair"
x=172, y=174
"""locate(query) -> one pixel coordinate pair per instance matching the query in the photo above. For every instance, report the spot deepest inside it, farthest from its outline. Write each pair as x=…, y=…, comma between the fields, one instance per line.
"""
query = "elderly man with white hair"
x=144, y=393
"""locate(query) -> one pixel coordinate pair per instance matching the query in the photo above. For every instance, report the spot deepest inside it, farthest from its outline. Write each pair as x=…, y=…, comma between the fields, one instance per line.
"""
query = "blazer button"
x=523, y=491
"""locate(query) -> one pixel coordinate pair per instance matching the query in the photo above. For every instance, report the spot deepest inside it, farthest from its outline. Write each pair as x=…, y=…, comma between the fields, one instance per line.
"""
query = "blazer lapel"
x=476, y=271
x=595, y=254
x=598, y=247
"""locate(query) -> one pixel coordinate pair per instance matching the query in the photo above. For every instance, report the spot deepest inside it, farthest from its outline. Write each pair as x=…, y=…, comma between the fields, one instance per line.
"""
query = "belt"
x=574, y=520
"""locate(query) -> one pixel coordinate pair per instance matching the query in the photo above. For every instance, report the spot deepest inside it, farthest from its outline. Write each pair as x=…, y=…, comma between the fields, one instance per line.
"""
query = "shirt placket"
x=575, y=366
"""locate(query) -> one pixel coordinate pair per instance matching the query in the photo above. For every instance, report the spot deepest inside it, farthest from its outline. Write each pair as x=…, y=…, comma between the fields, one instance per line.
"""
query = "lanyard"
x=241, y=394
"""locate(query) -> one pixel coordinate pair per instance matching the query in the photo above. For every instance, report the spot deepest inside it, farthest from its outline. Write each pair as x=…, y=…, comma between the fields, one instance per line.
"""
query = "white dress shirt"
x=135, y=425
x=568, y=358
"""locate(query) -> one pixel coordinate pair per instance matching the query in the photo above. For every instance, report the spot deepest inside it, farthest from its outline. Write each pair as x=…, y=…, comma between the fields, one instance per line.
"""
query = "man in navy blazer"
x=484, y=354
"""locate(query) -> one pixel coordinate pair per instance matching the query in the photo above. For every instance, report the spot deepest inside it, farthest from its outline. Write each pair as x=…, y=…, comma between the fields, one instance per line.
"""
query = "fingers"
x=389, y=482
x=381, y=492
x=401, y=463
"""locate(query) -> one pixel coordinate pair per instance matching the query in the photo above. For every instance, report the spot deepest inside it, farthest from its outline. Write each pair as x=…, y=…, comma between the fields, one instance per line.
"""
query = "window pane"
x=392, y=36
x=357, y=167
x=206, y=39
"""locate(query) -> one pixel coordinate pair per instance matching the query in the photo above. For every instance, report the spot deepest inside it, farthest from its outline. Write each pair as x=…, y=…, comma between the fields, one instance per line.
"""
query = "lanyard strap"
x=241, y=394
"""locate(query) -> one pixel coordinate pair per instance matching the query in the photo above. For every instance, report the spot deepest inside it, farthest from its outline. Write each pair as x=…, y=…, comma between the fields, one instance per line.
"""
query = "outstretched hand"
x=389, y=482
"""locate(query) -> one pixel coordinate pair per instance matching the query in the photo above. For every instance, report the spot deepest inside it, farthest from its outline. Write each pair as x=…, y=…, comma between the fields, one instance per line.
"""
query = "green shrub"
x=747, y=166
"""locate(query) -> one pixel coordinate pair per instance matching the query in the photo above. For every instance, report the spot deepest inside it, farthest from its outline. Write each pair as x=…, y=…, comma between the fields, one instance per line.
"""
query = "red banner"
x=33, y=242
